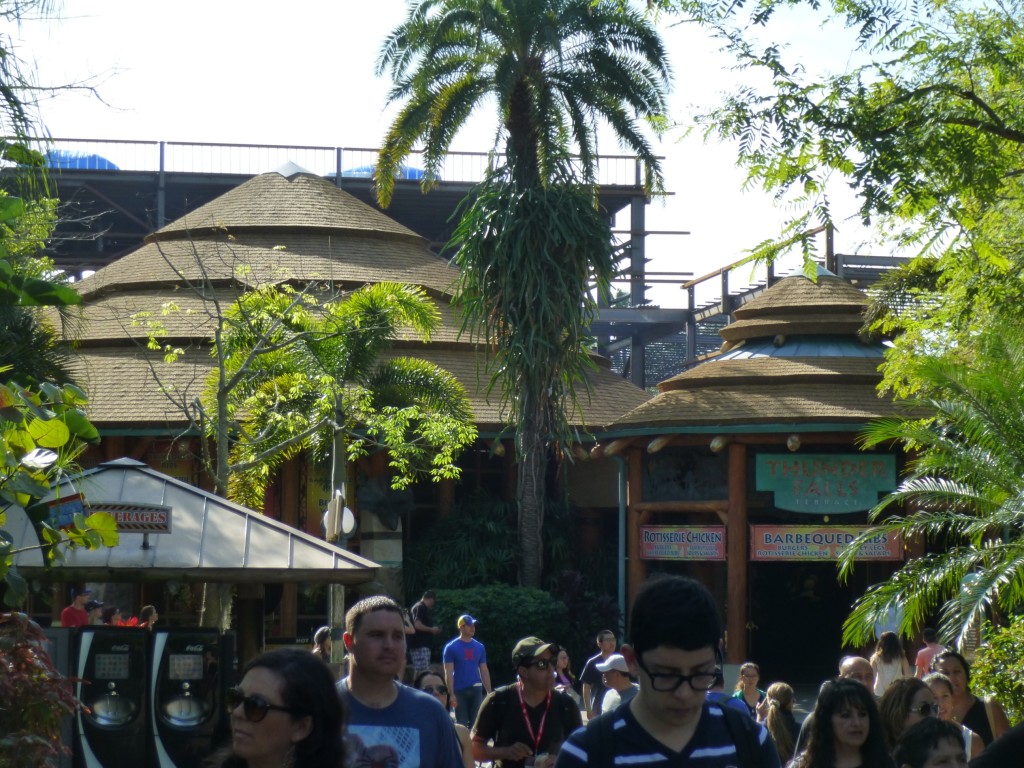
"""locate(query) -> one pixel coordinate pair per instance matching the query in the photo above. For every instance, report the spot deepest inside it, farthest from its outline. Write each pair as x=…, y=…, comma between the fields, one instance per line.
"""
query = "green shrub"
x=506, y=615
x=996, y=670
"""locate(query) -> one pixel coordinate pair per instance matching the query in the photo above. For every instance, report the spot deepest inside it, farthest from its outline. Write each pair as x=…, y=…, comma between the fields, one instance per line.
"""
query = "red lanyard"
x=526, y=716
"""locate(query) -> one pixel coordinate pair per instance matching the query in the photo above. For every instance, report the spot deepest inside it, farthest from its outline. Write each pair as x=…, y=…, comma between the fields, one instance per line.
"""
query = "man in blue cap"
x=465, y=671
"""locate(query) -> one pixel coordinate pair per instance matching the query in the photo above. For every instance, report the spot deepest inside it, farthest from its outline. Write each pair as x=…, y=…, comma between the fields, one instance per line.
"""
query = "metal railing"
x=115, y=155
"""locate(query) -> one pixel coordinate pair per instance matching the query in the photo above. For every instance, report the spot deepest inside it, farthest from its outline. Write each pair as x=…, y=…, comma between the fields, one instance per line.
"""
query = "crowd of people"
x=659, y=698
x=85, y=610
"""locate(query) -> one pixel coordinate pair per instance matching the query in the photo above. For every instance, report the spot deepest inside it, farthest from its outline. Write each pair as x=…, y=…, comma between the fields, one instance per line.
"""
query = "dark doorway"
x=797, y=612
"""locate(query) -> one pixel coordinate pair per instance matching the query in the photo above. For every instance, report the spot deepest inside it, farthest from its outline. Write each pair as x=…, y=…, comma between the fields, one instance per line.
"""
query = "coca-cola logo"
x=121, y=648
x=194, y=648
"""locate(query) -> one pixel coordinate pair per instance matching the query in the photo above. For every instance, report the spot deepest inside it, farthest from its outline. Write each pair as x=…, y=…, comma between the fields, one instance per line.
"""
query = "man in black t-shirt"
x=592, y=678
x=420, y=642
x=529, y=719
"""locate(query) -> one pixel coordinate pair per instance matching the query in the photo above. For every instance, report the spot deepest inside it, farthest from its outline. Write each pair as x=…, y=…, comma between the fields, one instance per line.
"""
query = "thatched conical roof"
x=793, y=356
x=274, y=228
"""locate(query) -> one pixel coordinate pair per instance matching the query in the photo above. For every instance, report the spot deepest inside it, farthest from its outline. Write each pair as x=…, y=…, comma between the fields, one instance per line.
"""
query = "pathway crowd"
x=658, y=699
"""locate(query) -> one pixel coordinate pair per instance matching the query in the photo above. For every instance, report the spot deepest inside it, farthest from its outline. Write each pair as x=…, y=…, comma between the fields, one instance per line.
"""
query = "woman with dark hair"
x=889, y=662
x=983, y=716
x=846, y=731
x=942, y=689
x=906, y=702
x=432, y=683
x=746, y=687
x=285, y=712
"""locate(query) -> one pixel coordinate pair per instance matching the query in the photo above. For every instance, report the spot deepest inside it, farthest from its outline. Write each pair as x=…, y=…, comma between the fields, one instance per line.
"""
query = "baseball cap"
x=465, y=619
x=76, y=592
x=615, y=661
x=92, y=605
x=530, y=648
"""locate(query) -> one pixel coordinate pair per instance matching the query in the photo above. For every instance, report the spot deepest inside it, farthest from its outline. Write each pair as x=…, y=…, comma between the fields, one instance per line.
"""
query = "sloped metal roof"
x=211, y=539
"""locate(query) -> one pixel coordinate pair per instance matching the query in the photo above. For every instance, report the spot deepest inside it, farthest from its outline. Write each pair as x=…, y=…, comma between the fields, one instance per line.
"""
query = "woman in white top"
x=889, y=662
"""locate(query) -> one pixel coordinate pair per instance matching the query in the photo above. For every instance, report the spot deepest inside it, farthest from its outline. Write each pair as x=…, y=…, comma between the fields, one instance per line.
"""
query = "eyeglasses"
x=431, y=689
x=255, y=708
x=926, y=710
x=665, y=683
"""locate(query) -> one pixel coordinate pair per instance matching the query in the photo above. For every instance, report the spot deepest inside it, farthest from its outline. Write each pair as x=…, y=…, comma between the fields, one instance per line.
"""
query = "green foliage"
x=926, y=124
x=296, y=374
x=554, y=242
x=556, y=68
x=35, y=696
x=964, y=492
x=478, y=542
x=43, y=432
x=506, y=615
x=995, y=671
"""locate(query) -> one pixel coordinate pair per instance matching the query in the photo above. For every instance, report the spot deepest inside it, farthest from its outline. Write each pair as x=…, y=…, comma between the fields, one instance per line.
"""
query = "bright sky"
x=301, y=73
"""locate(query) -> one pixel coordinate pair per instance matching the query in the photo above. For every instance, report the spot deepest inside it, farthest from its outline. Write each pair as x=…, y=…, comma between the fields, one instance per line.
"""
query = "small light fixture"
x=793, y=443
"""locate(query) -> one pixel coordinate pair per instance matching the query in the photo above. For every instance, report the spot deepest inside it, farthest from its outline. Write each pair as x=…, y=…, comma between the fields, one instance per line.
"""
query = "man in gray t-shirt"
x=389, y=723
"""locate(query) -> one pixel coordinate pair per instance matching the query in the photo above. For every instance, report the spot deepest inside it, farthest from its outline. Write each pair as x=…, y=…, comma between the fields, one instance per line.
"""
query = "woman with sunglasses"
x=285, y=712
x=942, y=689
x=846, y=731
x=906, y=702
x=432, y=683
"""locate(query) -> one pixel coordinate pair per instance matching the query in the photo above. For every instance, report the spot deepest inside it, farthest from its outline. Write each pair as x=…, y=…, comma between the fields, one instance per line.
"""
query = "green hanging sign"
x=826, y=483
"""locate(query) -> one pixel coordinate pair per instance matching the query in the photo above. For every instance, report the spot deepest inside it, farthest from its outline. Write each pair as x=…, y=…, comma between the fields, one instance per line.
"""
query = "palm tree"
x=531, y=238
x=300, y=375
x=964, y=491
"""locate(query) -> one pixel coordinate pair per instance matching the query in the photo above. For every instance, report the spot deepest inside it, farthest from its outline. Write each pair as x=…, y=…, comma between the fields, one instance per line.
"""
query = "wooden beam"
x=700, y=507
x=736, y=556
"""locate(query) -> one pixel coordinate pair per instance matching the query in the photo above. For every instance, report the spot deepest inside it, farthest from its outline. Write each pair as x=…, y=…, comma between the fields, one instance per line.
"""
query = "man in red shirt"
x=75, y=614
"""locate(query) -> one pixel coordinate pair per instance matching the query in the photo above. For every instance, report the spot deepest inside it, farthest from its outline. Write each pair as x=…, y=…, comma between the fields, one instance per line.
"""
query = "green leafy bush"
x=996, y=670
x=506, y=614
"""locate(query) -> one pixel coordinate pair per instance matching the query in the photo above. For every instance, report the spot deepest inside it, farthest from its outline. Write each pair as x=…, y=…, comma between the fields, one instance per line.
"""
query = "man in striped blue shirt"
x=674, y=634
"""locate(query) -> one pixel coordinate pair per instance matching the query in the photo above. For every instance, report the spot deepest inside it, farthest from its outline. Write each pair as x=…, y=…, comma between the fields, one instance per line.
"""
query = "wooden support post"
x=736, y=556
x=636, y=568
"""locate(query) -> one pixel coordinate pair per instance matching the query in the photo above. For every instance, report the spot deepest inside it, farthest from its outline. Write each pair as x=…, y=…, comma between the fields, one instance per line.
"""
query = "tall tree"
x=531, y=237
x=964, y=492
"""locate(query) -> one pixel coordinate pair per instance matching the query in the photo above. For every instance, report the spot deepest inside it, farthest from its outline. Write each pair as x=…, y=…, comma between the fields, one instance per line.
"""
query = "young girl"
x=846, y=731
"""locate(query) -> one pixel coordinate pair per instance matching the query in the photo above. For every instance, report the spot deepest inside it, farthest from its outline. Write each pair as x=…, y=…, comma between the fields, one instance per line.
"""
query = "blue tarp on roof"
x=81, y=161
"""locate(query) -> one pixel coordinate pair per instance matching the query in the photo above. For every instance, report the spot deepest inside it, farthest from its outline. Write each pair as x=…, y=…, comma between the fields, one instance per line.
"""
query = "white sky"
x=301, y=73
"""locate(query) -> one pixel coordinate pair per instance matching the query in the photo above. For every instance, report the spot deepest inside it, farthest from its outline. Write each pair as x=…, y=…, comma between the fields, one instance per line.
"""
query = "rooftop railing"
x=252, y=159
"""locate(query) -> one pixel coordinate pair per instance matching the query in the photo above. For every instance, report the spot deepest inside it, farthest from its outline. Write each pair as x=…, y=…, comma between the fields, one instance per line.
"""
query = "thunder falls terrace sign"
x=826, y=484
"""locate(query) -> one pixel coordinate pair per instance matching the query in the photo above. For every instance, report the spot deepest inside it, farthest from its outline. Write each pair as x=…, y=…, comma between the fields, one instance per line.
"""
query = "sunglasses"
x=543, y=664
x=255, y=708
x=926, y=710
x=441, y=690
